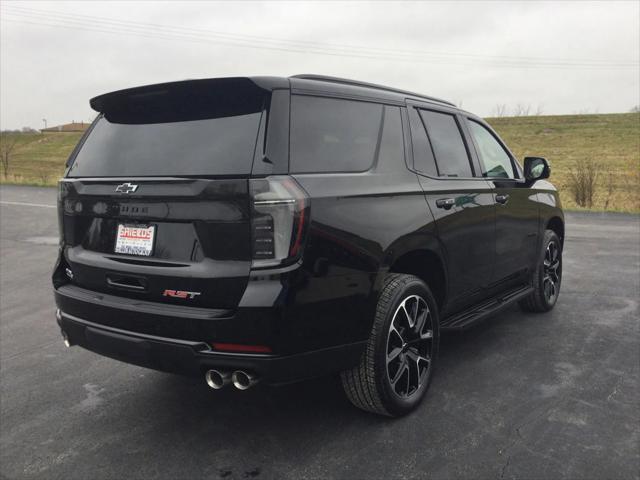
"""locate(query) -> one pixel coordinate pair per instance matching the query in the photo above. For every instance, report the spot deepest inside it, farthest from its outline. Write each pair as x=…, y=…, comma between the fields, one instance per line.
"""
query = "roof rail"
x=356, y=83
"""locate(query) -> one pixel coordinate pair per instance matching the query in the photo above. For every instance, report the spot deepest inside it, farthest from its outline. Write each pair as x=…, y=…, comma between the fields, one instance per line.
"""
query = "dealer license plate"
x=135, y=239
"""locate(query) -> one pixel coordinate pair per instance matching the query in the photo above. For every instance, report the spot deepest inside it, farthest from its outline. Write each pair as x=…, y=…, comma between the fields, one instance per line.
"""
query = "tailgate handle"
x=128, y=283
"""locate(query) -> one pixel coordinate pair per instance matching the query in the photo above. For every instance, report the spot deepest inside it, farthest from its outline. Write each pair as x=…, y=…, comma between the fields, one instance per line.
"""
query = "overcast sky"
x=560, y=57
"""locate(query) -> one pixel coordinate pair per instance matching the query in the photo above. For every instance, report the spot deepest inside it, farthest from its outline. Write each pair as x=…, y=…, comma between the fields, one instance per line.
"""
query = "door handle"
x=503, y=198
x=445, y=203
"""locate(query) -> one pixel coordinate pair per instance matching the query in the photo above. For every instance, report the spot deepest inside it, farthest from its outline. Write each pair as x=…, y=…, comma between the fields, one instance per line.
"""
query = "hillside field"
x=612, y=141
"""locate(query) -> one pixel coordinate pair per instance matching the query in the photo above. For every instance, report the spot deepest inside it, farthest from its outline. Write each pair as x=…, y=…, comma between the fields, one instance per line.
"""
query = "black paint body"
x=316, y=314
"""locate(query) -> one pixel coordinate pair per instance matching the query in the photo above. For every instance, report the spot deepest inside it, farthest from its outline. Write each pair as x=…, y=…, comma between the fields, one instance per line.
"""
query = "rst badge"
x=180, y=294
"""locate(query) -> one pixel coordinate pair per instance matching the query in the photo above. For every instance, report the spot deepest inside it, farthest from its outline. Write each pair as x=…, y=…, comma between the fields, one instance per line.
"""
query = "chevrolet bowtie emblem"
x=126, y=188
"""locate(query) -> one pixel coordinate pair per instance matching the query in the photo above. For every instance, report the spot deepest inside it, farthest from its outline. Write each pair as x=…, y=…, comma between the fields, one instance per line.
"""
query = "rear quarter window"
x=334, y=135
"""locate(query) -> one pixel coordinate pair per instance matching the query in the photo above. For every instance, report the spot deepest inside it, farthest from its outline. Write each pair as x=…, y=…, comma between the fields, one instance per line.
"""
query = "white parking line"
x=24, y=204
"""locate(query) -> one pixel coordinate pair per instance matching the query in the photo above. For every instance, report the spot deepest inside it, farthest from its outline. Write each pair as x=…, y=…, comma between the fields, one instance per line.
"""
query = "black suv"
x=276, y=229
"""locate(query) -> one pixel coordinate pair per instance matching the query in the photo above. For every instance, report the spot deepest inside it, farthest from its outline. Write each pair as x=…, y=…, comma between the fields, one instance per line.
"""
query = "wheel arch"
x=427, y=265
x=556, y=224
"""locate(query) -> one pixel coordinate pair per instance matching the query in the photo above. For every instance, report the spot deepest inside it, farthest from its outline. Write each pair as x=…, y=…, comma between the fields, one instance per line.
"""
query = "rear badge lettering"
x=180, y=294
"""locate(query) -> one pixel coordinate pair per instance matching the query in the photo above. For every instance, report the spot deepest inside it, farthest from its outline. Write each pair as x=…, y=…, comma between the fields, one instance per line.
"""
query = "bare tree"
x=635, y=109
x=582, y=182
x=500, y=110
x=7, y=146
x=539, y=110
x=521, y=110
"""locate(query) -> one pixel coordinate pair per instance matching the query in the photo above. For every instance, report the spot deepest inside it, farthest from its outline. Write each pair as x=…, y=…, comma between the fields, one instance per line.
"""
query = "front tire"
x=398, y=362
x=547, y=277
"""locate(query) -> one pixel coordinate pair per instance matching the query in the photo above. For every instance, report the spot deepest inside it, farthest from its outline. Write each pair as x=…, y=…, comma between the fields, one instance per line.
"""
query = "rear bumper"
x=194, y=358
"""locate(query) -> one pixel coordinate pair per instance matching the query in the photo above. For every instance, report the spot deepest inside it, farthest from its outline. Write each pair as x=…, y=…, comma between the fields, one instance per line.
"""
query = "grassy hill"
x=611, y=141
x=38, y=159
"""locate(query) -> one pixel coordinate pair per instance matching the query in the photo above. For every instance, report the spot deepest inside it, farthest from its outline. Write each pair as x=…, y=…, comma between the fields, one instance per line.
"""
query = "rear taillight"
x=280, y=215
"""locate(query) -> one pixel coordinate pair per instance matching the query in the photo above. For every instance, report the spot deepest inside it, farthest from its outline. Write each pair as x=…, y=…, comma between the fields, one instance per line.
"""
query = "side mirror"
x=536, y=168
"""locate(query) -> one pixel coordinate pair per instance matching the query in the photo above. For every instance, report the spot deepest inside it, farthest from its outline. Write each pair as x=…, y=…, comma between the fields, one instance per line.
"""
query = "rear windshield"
x=161, y=135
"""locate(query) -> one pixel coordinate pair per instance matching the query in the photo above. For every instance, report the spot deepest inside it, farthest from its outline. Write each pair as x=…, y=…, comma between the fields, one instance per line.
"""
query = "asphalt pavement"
x=552, y=395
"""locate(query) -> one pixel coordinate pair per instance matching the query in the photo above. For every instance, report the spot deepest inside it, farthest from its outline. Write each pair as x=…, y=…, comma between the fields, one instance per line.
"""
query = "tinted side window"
x=495, y=159
x=334, y=135
x=448, y=146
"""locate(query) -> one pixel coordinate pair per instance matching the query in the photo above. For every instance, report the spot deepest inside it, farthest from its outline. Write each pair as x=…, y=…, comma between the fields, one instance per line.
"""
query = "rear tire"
x=398, y=362
x=547, y=277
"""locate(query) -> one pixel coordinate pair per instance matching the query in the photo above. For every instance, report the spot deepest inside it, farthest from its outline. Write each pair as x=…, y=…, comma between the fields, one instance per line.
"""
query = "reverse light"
x=280, y=215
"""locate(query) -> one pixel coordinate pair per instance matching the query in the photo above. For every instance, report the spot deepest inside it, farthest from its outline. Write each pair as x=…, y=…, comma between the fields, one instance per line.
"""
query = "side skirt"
x=463, y=320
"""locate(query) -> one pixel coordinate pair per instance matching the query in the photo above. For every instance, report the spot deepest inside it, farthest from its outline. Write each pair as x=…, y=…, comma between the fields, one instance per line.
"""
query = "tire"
x=547, y=276
x=396, y=348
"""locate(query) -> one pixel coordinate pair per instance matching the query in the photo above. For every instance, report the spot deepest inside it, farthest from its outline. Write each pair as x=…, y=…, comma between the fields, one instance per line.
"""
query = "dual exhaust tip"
x=240, y=379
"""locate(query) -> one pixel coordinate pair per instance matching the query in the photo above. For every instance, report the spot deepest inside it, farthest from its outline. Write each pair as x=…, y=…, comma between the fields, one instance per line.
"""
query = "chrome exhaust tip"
x=217, y=379
x=65, y=339
x=243, y=380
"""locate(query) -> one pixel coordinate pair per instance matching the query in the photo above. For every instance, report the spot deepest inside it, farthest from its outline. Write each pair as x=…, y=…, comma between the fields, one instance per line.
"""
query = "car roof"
x=351, y=87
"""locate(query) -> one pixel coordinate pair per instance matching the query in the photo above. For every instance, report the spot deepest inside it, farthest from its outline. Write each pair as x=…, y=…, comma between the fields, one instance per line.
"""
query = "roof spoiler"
x=181, y=101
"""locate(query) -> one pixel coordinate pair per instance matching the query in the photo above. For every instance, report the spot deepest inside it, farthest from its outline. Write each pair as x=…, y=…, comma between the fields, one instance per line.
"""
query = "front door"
x=516, y=209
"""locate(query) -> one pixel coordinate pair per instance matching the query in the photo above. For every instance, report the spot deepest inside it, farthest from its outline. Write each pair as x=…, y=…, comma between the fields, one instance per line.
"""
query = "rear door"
x=516, y=208
x=155, y=203
x=462, y=204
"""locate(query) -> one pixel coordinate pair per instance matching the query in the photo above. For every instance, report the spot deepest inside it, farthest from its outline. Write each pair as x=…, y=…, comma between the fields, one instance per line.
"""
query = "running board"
x=462, y=320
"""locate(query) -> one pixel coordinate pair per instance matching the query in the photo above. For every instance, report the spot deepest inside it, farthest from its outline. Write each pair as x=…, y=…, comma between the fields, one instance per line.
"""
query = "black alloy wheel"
x=409, y=346
x=552, y=272
x=399, y=359
x=547, y=277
